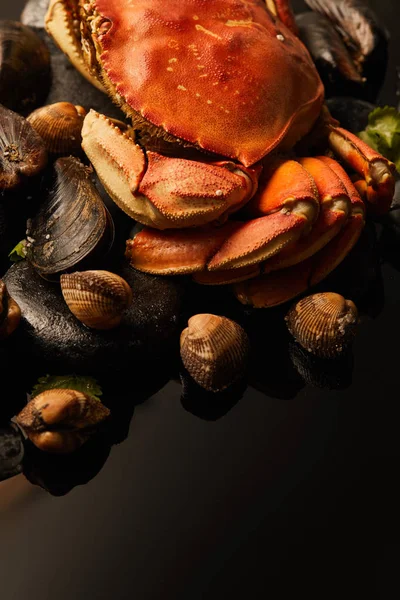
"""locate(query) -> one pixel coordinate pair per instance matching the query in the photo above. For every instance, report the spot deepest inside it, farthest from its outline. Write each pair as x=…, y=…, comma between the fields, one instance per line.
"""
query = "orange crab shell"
x=225, y=75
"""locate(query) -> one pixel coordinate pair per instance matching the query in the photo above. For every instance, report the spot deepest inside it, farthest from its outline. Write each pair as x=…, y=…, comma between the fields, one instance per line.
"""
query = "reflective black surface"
x=286, y=488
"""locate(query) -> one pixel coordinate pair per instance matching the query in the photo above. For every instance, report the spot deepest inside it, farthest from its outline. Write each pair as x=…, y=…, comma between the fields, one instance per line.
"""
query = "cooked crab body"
x=230, y=83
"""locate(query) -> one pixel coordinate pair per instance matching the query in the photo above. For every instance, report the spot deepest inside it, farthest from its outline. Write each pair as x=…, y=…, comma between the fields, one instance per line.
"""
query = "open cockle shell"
x=60, y=420
x=60, y=126
x=324, y=323
x=97, y=298
x=214, y=351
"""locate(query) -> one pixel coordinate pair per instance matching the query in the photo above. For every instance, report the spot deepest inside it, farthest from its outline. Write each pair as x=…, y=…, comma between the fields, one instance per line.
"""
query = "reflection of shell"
x=10, y=313
x=61, y=420
x=323, y=324
x=214, y=351
x=59, y=125
x=25, y=74
x=97, y=298
x=72, y=224
x=22, y=150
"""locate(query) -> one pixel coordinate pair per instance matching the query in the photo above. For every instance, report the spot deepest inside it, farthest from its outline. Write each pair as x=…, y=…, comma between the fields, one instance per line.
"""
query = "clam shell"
x=97, y=298
x=22, y=150
x=324, y=324
x=61, y=420
x=72, y=225
x=60, y=126
x=214, y=351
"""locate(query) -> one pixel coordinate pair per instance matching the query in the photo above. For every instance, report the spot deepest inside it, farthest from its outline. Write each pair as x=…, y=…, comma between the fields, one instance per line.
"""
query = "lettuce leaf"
x=18, y=252
x=383, y=133
x=87, y=385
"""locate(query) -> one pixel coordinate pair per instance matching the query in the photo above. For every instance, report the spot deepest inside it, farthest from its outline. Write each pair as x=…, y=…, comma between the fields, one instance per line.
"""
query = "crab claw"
x=378, y=171
x=160, y=191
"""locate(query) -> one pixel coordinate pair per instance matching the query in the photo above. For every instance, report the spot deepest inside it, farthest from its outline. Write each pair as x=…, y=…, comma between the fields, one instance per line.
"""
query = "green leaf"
x=18, y=252
x=383, y=133
x=87, y=385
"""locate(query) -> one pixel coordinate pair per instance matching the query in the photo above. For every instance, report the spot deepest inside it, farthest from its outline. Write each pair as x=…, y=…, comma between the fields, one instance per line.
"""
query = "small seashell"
x=10, y=313
x=60, y=126
x=324, y=324
x=214, y=351
x=61, y=420
x=97, y=298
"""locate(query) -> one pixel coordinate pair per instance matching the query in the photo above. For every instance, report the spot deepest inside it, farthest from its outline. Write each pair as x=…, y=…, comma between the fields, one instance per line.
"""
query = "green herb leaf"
x=87, y=385
x=383, y=133
x=19, y=252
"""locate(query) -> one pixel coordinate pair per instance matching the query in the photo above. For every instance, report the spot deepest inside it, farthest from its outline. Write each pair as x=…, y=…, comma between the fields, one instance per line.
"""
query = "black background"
x=278, y=498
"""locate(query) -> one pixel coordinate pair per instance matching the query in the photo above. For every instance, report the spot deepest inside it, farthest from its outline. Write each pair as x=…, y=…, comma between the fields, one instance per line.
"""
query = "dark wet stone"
x=68, y=85
x=50, y=339
x=58, y=474
x=350, y=112
x=11, y=451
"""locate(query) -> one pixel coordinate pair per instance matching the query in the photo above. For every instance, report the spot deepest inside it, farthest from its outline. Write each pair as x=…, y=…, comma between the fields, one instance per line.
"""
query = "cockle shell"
x=60, y=126
x=97, y=298
x=61, y=420
x=323, y=324
x=214, y=351
x=10, y=313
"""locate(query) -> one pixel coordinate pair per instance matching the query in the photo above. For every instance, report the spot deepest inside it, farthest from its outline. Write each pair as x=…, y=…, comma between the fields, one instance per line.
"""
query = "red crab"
x=227, y=87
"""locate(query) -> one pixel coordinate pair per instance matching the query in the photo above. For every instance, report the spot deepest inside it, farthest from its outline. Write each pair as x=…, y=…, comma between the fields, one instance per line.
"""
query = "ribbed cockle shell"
x=323, y=324
x=61, y=420
x=214, y=351
x=97, y=298
x=60, y=126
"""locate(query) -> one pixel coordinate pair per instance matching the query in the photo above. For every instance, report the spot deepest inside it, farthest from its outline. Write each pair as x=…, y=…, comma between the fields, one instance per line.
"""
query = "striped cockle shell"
x=324, y=323
x=97, y=298
x=60, y=126
x=214, y=351
x=60, y=420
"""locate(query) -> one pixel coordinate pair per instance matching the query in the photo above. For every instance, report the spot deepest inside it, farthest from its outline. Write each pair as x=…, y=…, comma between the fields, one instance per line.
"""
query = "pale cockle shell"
x=97, y=298
x=59, y=125
x=323, y=324
x=214, y=351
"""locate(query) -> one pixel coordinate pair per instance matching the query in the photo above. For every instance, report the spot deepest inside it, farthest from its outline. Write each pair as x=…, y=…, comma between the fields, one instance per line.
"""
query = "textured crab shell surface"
x=227, y=76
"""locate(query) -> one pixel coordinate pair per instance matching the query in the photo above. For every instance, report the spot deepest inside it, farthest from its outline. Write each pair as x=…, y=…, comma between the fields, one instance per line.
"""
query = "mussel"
x=323, y=323
x=59, y=125
x=22, y=152
x=214, y=351
x=61, y=420
x=25, y=73
x=73, y=226
x=364, y=37
x=97, y=298
x=10, y=313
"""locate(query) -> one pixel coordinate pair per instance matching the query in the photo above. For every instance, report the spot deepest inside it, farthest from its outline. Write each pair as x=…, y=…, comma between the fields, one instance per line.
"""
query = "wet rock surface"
x=50, y=338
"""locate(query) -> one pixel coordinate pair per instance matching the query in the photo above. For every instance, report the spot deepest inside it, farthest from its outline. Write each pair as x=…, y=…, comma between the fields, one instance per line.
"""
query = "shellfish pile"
x=75, y=283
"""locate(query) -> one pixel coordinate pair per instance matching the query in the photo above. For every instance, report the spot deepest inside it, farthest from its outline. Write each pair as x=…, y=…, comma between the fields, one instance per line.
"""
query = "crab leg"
x=280, y=286
x=160, y=191
x=334, y=210
x=377, y=171
x=282, y=10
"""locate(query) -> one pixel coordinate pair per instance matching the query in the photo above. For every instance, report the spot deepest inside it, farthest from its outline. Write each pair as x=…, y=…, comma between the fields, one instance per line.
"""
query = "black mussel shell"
x=330, y=55
x=22, y=151
x=324, y=373
x=11, y=451
x=73, y=227
x=58, y=474
x=365, y=38
x=25, y=74
x=352, y=113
